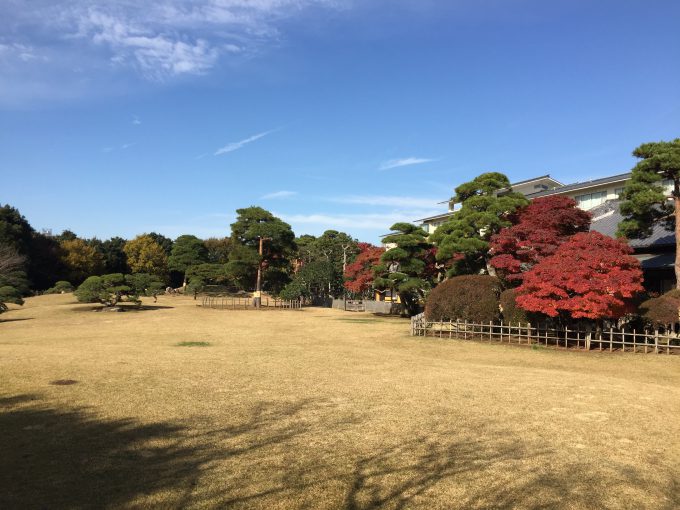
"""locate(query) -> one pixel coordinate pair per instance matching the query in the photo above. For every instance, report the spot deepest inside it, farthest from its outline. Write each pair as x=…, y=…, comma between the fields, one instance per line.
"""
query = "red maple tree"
x=538, y=230
x=359, y=274
x=589, y=276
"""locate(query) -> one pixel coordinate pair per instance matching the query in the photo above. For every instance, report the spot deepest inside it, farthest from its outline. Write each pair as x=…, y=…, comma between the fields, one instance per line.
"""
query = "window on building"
x=590, y=200
x=617, y=192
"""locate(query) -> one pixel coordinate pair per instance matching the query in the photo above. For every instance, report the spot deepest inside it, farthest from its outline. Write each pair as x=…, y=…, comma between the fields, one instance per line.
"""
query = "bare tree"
x=10, y=260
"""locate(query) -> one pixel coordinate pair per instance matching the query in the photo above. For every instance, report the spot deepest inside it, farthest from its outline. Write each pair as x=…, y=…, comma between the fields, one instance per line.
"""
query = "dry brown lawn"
x=320, y=409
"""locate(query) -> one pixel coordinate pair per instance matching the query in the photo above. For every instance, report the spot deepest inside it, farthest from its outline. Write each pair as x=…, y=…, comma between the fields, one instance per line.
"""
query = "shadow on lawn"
x=17, y=319
x=278, y=455
x=68, y=458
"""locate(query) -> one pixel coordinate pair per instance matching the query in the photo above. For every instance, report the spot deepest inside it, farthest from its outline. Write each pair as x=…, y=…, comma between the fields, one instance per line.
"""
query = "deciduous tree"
x=589, y=276
x=12, y=277
x=538, y=230
x=81, y=260
x=163, y=242
x=646, y=201
x=359, y=274
x=145, y=255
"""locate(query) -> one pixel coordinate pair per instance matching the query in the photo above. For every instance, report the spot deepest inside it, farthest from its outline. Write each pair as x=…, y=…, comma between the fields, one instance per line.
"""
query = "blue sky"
x=117, y=119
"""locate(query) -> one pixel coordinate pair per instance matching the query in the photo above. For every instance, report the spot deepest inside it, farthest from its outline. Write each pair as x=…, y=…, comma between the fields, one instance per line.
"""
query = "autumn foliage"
x=589, y=276
x=359, y=274
x=538, y=230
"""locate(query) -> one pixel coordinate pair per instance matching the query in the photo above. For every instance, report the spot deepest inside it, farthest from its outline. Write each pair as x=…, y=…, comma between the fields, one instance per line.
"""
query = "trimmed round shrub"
x=510, y=312
x=61, y=287
x=472, y=297
x=664, y=309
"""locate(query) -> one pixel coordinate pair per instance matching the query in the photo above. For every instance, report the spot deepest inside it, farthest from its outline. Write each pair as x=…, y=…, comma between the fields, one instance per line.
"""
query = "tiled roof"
x=580, y=185
x=606, y=219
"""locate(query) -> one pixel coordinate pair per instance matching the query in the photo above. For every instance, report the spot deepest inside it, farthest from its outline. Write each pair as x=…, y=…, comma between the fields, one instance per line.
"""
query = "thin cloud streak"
x=397, y=163
x=278, y=194
x=233, y=146
x=387, y=200
x=354, y=222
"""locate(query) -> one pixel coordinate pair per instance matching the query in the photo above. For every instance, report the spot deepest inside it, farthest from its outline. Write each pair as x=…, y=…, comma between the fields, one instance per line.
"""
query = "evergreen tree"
x=187, y=251
x=486, y=204
x=403, y=267
x=251, y=225
x=115, y=259
x=646, y=202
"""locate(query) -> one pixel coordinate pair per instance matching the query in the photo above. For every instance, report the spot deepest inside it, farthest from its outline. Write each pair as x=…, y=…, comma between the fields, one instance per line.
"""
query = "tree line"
x=305, y=266
x=541, y=253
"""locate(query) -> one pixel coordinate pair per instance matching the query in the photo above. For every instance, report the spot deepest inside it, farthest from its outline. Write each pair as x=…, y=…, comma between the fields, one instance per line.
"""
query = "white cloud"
x=387, y=200
x=354, y=222
x=230, y=147
x=136, y=121
x=128, y=145
x=396, y=163
x=278, y=194
x=160, y=39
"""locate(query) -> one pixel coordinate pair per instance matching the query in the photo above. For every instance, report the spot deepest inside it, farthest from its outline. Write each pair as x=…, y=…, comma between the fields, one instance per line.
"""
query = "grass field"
x=182, y=407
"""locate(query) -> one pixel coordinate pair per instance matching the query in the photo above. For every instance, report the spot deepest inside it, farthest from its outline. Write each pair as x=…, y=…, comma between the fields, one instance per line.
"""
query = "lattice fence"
x=610, y=339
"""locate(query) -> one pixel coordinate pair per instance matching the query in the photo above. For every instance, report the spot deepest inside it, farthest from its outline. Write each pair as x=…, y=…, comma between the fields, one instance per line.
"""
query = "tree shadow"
x=70, y=458
x=275, y=456
x=435, y=471
x=17, y=319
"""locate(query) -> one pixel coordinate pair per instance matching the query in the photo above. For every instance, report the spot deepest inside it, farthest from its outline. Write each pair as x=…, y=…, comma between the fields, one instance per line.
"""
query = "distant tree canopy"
x=646, y=202
x=198, y=276
x=486, y=205
x=144, y=255
x=403, y=267
x=305, y=249
x=42, y=255
x=81, y=260
x=359, y=274
x=251, y=225
x=163, y=242
x=218, y=249
x=312, y=281
x=187, y=251
x=115, y=260
x=13, y=282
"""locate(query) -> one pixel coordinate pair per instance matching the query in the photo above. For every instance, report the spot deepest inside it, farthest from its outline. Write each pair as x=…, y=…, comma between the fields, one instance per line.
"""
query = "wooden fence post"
x=656, y=341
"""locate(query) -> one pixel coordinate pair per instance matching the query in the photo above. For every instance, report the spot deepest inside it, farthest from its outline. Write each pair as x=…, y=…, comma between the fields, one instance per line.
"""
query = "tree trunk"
x=676, y=201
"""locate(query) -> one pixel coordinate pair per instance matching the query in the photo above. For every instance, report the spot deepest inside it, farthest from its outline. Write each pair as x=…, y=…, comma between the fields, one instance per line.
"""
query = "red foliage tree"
x=589, y=276
x=538, y=230
x=359, y=274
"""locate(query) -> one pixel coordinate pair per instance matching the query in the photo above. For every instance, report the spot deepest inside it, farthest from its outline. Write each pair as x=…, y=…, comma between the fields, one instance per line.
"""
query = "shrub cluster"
x=473, y=298
x=61, y=287
x=664, y=309
x=510, y=312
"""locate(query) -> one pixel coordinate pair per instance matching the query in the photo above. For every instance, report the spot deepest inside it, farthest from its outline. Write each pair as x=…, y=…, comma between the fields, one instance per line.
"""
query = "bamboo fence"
x=246, y=303
x=661, y=340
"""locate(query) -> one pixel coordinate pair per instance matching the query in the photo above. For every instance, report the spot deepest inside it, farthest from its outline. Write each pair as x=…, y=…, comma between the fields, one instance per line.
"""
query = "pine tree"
x=486, y=204
x=403, y=267
x=646, y=202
